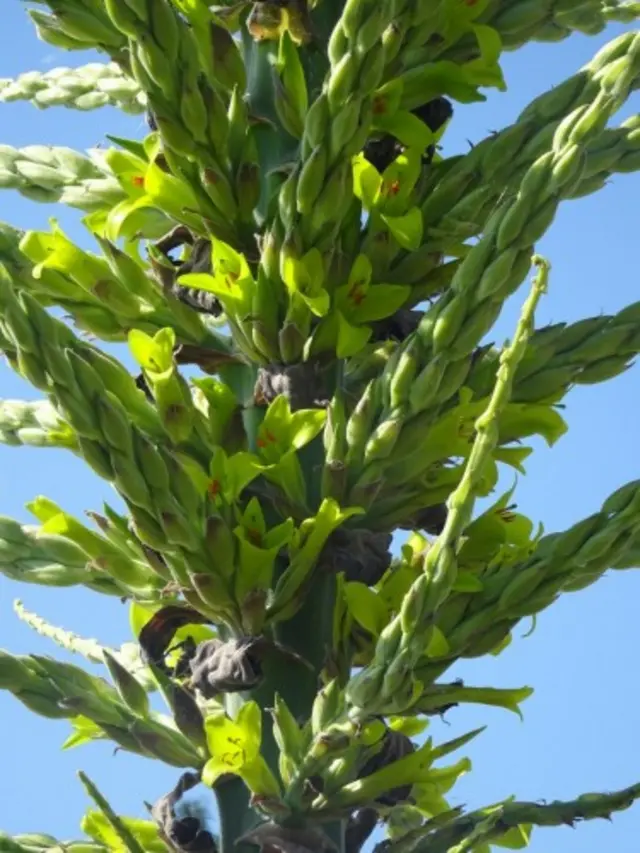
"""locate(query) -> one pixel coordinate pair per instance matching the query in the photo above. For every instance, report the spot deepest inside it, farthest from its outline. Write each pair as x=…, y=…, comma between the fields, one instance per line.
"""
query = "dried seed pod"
x=232, y=666
x=305, y=385
x=395, y=746
x=272, y=838
x=186, y=833
x=219, y=667
x=362, y=555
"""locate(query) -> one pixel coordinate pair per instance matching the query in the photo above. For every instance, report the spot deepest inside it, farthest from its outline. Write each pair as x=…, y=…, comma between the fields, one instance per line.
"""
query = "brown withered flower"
x=305, y=385
x=199, y=261
x=362, y=555
x=431, y=519
x=186, y=834
x=156, y=636
x=270, y=837
x=398, y=326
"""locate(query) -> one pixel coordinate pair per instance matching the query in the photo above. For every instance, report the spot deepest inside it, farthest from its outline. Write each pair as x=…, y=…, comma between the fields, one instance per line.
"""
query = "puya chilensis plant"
x=289, y=236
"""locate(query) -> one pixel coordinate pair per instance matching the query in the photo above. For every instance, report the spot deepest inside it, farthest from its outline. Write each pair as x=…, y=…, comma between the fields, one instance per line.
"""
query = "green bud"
x=130, y=482
x=543, y=384
x=151, y=464
x=317, y=122
x=501, y=150
x=454, y=376
x=425, y=387
x=287, y=200
x=519, y=16
x=163, y=744
x=384, y=437
x=521, y=586
x=364, y=690
x=602, y=370
x=360, y=422
x=569, y=542
x=621, y=498
x=402, y=378
x=129, y=688
x=537, y=225
x=343, y=127
x=147, y=529
x=311, y=180
x=115, y=424
x=449, y=321
x=342, y=80
x=475, y=328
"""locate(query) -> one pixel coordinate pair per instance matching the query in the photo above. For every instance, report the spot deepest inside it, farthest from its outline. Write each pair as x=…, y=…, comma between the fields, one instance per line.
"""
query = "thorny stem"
x=120, y=828
x=460, y=504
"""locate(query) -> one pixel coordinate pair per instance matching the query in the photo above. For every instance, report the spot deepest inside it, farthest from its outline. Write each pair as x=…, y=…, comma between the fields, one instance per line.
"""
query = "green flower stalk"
x=189, y=111
x=50, y=174
x=559, y=356
x=386, y=685
x=37, y=842
x=128, y=655
x=432, y=364
x=85, y=88
x=464, y=832
x=121, y=829
x=520, y=22
x=462, y=192
x=36, y=424
x=31, y=556
x=62, y=691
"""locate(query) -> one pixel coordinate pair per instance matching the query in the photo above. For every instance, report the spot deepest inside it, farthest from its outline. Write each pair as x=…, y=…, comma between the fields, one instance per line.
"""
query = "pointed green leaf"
x=407, y=229
x=366, y=607
x=351, y=339
x=366, y=181
x=438, y=646
x=456, y=743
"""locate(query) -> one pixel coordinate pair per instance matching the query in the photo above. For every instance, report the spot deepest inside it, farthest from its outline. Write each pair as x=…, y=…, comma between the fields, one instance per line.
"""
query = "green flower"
x=234, y=746
x=258, y=548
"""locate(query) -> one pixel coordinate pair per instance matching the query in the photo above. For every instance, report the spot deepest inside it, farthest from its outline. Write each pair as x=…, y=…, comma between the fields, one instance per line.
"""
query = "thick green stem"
x=309, y=632
x=235, y=815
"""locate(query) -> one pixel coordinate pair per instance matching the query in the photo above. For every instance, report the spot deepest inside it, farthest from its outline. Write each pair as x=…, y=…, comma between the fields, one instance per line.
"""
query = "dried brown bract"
x=157, y=634
x=397, y=327
x=232, y=666
x=186, y=833
x=305, y=385
x=394, y=747
x=431, y=519
x=199, y=261
x=362, y=555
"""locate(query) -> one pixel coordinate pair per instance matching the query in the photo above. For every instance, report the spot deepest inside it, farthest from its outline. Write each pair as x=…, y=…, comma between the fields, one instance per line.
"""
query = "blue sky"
x=580, y=731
